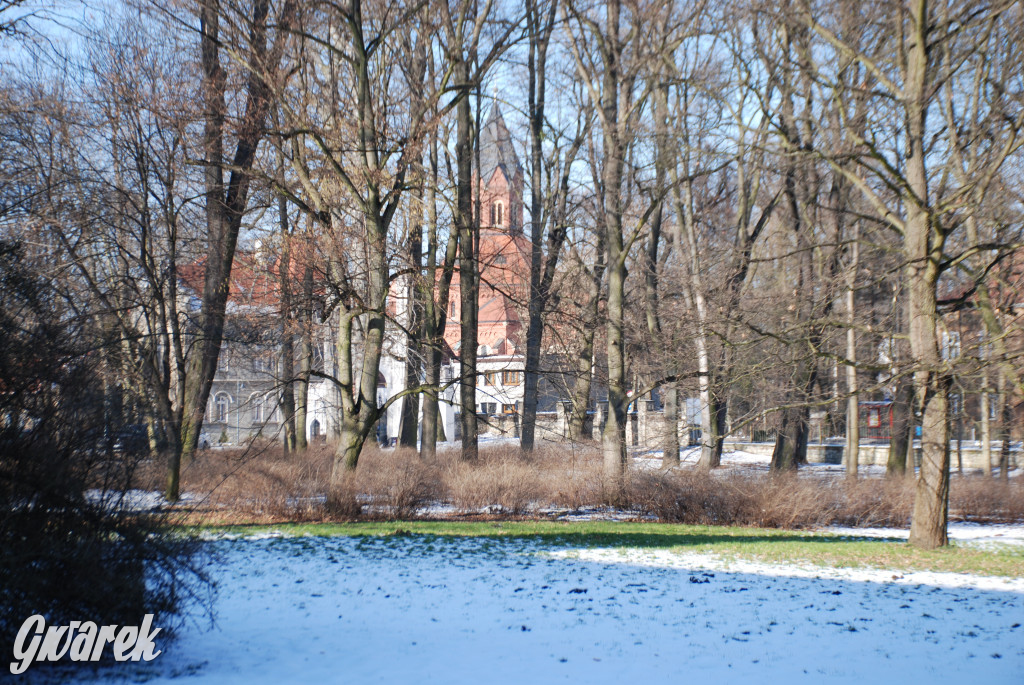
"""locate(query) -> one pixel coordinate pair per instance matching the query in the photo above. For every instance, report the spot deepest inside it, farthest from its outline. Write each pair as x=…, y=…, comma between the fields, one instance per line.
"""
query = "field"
x=514, y=571
x=545, y=603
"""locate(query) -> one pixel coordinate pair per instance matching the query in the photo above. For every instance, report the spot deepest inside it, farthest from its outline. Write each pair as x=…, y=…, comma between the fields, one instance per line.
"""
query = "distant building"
x=245, y=397
x=504, y=259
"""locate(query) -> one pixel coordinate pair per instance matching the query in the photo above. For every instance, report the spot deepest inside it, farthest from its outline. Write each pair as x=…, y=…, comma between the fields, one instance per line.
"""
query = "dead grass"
x=257, y=483
x=770, y=500
x=262, y=485
x=394, y=484
x=978, y=498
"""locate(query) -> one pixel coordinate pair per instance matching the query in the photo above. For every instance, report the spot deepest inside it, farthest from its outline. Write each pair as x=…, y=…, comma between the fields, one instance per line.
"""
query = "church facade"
x=504, y=267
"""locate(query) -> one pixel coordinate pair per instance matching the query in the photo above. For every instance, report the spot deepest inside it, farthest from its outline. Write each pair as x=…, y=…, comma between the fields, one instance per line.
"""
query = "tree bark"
x=225, y=203
x=468, y=283
x=539, y=37
x=923, y=254
x=896, y=464
x=305, y=359
x=287, y=333
x=852, y=451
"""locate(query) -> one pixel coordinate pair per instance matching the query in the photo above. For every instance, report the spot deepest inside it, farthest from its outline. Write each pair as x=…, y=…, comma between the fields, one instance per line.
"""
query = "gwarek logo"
x=82, y=641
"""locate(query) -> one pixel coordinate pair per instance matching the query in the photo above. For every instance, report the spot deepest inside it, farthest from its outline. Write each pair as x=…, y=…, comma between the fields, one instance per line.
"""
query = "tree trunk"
x=791, y=441
x=539, y=37
x=986, y=424
x=305, y=360
x=852, y=451
x=468, y=286
x=580, y=400
x=719, y=426
x=435, y=318
x=896, y=464
x=584, y=362
x=287, y=334
x=923, y=254
x=359, y=412
x=225, y=204
x=613, y=439
x=912, y=423
x=410, y=417
x=670, y=439
x=1005, y=416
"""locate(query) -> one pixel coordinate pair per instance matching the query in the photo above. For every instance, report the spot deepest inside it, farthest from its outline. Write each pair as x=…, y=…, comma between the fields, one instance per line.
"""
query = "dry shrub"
x=343, y=503
x=874, y=502
x=570, y=479
x=986, y=499
x=682, y=497
x=769, y=501
x=395, y=484
x=255, y=483
x=262, y=484
x=501, y=481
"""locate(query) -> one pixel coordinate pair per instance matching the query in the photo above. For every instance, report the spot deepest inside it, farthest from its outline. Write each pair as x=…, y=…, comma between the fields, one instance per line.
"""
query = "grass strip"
x=756, y=544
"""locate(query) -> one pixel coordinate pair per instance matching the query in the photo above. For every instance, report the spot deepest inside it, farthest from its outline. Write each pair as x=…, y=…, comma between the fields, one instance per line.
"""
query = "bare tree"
x=908, y=186
x=226, y=180
x=469, y=62
x=609, y=53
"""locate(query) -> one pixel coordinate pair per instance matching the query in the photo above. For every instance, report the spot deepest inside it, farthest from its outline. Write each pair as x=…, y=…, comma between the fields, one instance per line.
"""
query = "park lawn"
x=773, y=546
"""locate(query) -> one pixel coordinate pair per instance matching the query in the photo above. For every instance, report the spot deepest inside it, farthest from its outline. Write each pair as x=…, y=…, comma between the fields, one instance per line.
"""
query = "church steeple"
x=501, y=176
x=496, y=149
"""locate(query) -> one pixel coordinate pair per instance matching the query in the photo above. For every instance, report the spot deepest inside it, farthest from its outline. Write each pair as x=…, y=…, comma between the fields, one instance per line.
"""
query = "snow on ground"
x=440, y=610
x=741, y=460
x=133, y=500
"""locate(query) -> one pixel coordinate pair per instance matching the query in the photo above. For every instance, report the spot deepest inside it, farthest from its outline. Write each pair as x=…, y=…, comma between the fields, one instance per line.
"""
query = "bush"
x=71, y=546
x=771, y=500
x=986, y=499
x=501, y=481
x=261, y=484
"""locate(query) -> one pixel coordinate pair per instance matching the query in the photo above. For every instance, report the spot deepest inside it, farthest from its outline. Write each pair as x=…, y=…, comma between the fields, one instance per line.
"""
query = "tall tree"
x=226, y=180
x=469, y=61
x=906, y=182
x=610, y=52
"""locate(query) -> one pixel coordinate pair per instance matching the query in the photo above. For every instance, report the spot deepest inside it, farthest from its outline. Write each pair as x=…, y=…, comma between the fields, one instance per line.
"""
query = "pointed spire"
x=496, y=148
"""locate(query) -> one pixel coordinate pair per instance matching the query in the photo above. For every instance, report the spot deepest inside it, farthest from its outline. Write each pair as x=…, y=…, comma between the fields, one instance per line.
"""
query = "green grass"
x=768, y=545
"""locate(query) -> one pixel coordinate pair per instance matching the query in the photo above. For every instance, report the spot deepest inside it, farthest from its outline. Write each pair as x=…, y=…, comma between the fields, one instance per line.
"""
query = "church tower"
x=501, y=178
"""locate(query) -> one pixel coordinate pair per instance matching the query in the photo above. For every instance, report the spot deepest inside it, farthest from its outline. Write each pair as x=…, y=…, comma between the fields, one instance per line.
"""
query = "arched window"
x=499, y=211
x=256, y=401
x=221, y=404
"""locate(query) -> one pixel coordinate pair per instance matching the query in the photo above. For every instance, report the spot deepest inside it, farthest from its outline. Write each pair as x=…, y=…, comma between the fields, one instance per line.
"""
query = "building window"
x=993, y=406
x=500, y=259
x=491, y=378
x=508, y=408
x=950, y=345
x=258, y=408
x=319, y=349
x=221, y=403
x=512, y=377
x=498, y=214
x=874, y=418
x=488, y=407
